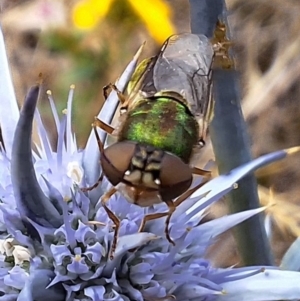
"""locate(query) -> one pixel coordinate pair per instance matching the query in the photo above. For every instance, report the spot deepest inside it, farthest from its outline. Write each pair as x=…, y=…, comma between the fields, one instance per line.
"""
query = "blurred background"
x=89, y=43
x=86, y=43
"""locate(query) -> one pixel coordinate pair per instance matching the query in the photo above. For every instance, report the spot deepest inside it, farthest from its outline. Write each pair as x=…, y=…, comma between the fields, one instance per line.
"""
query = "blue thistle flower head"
x=55, y=240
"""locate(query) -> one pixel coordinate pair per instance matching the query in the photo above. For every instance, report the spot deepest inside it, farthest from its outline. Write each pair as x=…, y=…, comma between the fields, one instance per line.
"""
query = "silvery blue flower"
x=55, y=241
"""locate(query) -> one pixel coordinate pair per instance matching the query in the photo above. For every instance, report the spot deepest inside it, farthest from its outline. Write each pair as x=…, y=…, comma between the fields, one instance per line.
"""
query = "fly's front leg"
x=108, y=129
x=114, y=219
x=103, y=126
x=86, y=189
x=172, y=209
x=187, y=194
x=109, y=87
x=121, y=96
x=157, y=215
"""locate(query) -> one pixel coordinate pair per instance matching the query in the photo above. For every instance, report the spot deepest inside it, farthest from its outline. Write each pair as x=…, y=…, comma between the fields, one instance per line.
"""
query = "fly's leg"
x=221, y=46
x=172, y=209
x=153, y=216
x=113, y=87
x=165, y=298
x=103, y=126
x=105, y=91
x=187, y=194
x=121, y=96
x=86, y=189
x=201, y=172
x=99, y=142
x=113, y=218
x=104, y=199
x=108, y=129
x=150, y=217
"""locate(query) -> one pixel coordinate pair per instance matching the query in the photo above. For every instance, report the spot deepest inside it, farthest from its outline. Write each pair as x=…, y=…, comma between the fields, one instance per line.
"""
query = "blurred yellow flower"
x=87, y=13
x=155, y=14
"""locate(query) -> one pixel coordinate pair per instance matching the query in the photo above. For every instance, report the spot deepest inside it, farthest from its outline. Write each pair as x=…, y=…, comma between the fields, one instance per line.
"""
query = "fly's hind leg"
x=153, y=216
x=221, y=46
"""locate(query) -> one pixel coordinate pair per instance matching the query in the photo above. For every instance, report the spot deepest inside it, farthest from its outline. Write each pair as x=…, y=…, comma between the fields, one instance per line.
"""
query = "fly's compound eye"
x=175, y=177
x=116, y=159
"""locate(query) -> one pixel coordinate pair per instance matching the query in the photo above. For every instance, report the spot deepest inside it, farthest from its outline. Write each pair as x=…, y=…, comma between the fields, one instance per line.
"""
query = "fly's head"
x=143, y=174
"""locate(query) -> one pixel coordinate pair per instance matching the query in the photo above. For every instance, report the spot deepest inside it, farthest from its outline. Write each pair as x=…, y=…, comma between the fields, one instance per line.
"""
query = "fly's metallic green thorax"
x=163, y=122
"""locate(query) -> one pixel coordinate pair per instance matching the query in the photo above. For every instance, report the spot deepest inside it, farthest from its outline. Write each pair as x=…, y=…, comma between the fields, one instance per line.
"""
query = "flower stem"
x=230, y=141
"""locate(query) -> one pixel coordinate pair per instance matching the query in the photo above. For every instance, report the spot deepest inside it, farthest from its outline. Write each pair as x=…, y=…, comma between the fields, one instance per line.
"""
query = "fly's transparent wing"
x=184, y=66
x=138, y=81
x=141, y=83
